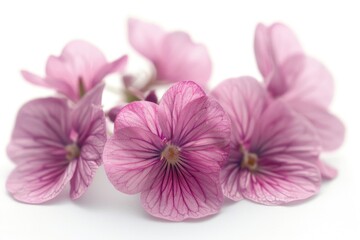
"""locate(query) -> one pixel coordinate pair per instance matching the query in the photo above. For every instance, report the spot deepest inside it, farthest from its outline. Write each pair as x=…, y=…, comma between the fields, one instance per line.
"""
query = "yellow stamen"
x=171, y=153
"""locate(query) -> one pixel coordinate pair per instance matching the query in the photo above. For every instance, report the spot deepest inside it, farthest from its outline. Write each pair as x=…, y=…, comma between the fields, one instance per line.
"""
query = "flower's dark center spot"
x=81, y=85
x=72, y=151
x=250, y=161
x=171, y=153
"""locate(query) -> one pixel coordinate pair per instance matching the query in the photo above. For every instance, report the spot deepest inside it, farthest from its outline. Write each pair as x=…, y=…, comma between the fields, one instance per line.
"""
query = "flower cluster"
x=245, y=139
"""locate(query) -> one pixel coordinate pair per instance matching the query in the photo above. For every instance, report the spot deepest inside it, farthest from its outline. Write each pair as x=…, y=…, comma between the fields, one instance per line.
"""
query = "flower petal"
x=60, y=86
x=92, y=146
x=288, y=151
x=307, y=80
x=244, y=100
x=327, y=171
x=263, y=51
x=280, y=181
x=113, y=112
x=35, y=79
x=284, y=43
x=282, y=132
x=141, y=114
x=203, y=131
x=146, y=38
x=181, y=59
x=87, y=114
x=42, y=127
x=173, y=103
x=77, y=68
x=230, y=176
x=182, y=191
x=116, y=66
x=40, y=180
x=273, y=46
x=329, y=128
x=129, y=156
x=151, y=97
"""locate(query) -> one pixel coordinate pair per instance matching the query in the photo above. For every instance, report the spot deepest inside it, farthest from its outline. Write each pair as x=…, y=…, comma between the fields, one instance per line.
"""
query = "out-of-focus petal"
x=146, y=38
x=113, y=112
x=38, y=181
x=141, y=114
x=330, y=129
x=116, y=66
x=263, y=53
x=41, y=130
x=80, y=67
x=183, y=60
x=284, y=43
x=129, y=157
x=327, y=171
x=273, y=46
x=35, y=79
x=203, y=131
x=151, y=97
x=173, y=102
x=244, y=100
x=86, y=60
x=181, y=192
x=306, y=79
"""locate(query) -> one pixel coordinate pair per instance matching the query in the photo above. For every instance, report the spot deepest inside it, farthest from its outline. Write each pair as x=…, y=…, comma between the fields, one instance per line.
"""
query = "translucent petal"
x=129, y=156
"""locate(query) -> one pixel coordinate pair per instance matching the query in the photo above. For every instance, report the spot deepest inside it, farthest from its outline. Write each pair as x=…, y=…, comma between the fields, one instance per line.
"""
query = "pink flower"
x=80, y=67
x=174, y=55
x=171, y=153
x=53, y=144
x=274, y=151
x=300, y=81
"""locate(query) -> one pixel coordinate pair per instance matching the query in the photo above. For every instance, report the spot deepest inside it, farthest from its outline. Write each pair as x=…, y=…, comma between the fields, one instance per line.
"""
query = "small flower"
x=80, y=67
x=171, y=153
x=274, y=151
x=174, y=55
x=132, y=93
x=300, y=81
x=53, y=144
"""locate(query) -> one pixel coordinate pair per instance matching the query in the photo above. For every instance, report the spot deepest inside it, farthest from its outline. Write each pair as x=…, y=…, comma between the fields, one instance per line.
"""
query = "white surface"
x=31, y=30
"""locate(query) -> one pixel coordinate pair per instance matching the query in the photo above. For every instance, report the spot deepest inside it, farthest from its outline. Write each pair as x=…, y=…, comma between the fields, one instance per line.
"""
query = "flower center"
x=171, y=153
x=250, y=161
x=72, y=151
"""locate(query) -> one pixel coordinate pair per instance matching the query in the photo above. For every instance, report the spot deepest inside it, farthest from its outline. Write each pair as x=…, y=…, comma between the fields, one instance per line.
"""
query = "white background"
x=330, y=31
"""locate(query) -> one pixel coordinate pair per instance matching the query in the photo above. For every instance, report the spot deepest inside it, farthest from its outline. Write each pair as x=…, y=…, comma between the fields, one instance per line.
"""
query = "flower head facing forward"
x=171, y=153
x=174, y=55
x=274, y=151
x=53, y=144
x=302, y=82
x=80, y=67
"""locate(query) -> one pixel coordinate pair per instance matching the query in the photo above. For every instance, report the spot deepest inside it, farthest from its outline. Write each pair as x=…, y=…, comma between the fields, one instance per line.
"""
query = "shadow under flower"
x=101, y=195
